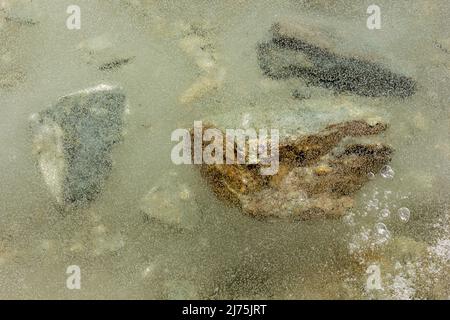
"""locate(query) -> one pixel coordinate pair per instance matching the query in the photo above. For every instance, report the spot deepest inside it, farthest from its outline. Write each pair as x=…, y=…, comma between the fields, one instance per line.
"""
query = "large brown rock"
x=318, y=174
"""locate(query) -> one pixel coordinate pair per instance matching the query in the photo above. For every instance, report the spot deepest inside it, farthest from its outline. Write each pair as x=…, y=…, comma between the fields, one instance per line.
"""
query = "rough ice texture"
x=290, y=53
x=73, y=140
x=12, y=71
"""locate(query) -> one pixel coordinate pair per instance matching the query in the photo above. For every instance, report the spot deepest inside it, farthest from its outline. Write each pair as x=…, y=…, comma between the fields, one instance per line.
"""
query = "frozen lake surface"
x=156, y=230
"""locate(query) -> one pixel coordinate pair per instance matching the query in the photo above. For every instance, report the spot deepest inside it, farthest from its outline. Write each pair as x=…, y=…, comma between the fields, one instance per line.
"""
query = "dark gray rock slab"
x=303, y=53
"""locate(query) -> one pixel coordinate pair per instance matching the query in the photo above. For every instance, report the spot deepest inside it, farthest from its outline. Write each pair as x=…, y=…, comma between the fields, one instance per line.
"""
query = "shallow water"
x=122, y=254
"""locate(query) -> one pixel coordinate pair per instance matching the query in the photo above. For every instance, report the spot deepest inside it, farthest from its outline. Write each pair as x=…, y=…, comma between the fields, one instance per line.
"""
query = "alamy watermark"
x=374, y=20
x=374, y=279
x=238, y=146
x=73, y=22
x=73, y=281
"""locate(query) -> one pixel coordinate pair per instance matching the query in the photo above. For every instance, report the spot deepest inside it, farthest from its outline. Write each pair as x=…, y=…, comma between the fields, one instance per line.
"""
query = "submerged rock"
x=299, y=51
x=317, y=177
x=73, y=140
x=171, y=203
x=200, y=48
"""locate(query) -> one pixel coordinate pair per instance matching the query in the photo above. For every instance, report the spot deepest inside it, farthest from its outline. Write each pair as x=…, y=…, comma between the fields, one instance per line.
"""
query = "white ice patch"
x=48, y=147
x=98, y=88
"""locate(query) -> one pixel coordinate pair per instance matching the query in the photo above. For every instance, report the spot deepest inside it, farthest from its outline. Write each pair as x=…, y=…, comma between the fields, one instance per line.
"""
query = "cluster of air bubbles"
x=380, y=208
x=369, y=238
x=387, y=172
x=381, y=205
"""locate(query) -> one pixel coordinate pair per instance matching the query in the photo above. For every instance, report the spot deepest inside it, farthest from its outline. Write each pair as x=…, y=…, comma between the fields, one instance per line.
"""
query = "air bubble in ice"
x=387, y=172
x=404, y=214
x=384, y=213
x=382, y=233
x=381, y=228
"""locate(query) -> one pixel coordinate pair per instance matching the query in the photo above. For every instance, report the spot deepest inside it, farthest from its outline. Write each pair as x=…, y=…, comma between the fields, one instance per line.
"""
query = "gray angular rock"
x=73, y=140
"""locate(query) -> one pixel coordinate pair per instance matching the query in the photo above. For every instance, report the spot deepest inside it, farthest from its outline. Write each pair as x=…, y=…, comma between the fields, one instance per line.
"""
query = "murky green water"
x=123, y=254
